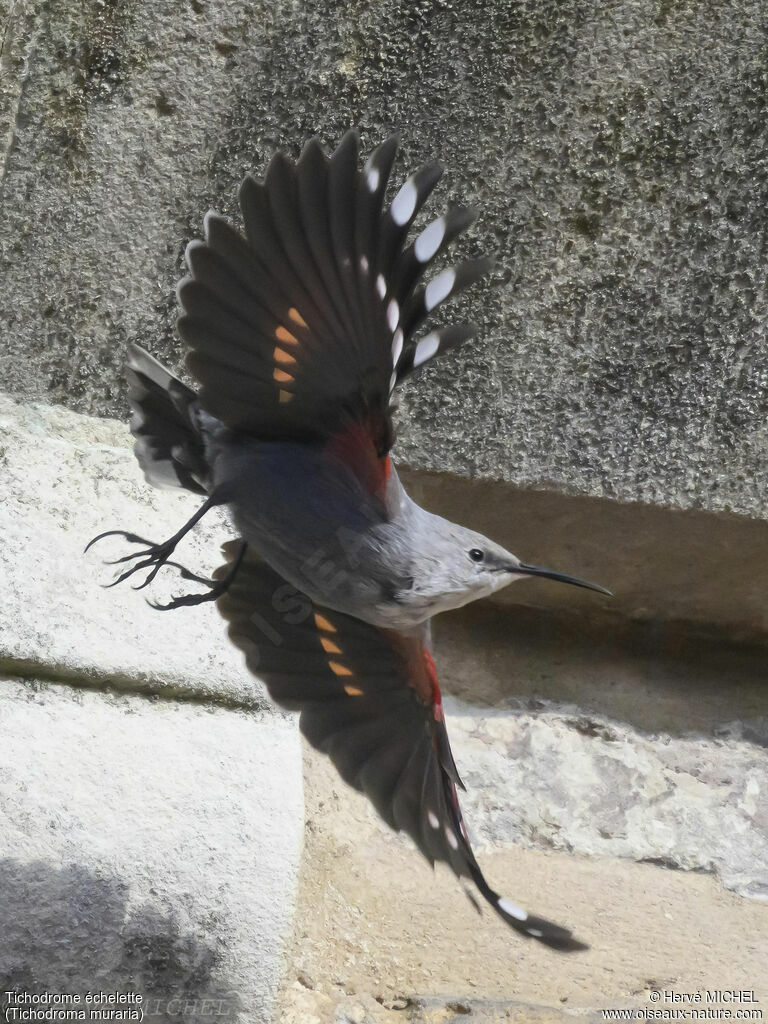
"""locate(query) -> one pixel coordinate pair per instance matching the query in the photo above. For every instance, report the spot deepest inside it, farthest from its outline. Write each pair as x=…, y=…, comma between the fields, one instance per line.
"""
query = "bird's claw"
x=152, y=557
x=190, y=600
x=132, y=538
x=216, y=587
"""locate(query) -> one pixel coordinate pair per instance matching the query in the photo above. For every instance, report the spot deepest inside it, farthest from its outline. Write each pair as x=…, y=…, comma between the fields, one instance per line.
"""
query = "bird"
x=298, y=332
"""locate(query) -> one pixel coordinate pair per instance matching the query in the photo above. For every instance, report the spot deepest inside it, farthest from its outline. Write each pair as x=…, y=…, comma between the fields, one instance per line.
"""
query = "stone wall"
x=617, y=153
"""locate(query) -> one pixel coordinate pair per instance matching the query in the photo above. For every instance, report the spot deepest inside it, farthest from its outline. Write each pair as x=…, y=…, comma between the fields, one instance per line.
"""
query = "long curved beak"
x=536, y=570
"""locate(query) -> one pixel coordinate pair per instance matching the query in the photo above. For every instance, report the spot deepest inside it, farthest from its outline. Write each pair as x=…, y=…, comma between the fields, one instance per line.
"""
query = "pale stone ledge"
x=148, y=846
x=66, y=478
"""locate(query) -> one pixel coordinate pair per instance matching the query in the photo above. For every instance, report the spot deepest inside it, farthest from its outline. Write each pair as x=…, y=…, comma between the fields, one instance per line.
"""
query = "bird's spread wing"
x=369, y=699
x=311, y=317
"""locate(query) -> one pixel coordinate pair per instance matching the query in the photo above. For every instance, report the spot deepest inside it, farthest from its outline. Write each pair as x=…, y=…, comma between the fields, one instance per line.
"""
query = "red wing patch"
x=437, y=698
x=356, y=446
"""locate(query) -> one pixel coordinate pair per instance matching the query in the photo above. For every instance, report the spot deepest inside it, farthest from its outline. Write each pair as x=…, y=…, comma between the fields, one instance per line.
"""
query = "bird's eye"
x=476, y=555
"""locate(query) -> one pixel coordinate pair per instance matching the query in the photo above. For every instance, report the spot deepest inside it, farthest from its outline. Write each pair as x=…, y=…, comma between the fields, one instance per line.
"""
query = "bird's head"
x=472, y=566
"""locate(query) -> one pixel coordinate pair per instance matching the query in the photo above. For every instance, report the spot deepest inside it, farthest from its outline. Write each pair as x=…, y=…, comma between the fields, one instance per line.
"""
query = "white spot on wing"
x=433, y=819
x=404, y=203
x=364, y=264
x=393, y=314
x=438, y=288
x=453, y=842
x=510, y=908
x=428, y=242
x=207, y=223
x=372, y=179
x=381, y=286
x=392, y=381
x=535, y=933
x=397, y=346
x=426, y=348
x=191, y=246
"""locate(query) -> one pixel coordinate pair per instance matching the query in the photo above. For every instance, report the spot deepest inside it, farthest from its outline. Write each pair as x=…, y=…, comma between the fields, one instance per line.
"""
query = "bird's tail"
x=165, y=422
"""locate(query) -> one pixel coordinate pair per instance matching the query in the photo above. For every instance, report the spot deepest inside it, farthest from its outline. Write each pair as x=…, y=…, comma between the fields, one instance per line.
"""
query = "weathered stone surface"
x=317, y=1007
x=618, y=154
x=146, y=846
x=66, y=478
x=559, y=779
x=375, y=926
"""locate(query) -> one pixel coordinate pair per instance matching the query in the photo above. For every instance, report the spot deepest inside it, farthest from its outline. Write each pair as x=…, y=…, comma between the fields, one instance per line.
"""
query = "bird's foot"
x=153, y=557
x=216, y=587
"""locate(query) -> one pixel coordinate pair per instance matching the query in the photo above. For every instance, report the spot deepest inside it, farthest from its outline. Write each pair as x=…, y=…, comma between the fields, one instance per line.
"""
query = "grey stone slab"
x=617, y=153
x=65, y=478
x=555, y=778
x=147, y=847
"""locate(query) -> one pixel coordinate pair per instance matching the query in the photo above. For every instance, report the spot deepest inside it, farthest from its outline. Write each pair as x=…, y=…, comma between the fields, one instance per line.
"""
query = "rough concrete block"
x=616, y=152
x=146, y=846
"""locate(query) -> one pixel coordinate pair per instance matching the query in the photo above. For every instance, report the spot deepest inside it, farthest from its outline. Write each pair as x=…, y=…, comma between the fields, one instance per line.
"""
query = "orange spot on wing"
x=353, y=691
x=295, y=315
x=329, y=646
x=282, y=335
x=285, y=396
x=322, y=623
x=281, y=356
x=340, y=670
x=282, y=376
